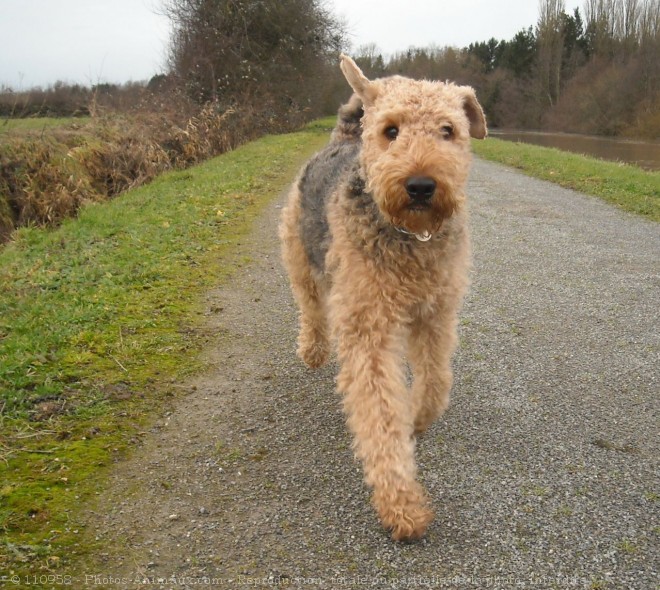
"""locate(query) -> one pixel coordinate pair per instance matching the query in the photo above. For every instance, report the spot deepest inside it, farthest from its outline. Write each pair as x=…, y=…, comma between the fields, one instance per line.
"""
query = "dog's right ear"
x=363, y=87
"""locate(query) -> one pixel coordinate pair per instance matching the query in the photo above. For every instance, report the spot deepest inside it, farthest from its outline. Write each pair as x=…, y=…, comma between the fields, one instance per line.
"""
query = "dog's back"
x=321, y=176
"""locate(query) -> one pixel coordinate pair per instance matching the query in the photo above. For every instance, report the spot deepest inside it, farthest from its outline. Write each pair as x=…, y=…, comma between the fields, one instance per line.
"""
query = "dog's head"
x=416, y=145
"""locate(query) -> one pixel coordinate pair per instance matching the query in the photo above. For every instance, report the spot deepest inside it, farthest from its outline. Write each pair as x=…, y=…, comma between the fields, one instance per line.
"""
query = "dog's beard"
x=404, y=213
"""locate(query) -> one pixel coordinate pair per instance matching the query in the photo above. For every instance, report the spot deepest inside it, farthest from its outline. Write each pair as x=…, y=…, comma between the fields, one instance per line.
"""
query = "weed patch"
x=46, y=177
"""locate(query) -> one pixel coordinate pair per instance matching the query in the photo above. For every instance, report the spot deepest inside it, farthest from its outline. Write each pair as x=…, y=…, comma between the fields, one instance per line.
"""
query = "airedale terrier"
x=375, y=240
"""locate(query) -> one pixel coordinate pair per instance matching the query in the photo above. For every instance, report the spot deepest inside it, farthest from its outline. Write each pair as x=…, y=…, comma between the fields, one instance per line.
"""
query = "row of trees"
x=76, y=100
x=595, y=71
x=606, y=74
x=594, y=74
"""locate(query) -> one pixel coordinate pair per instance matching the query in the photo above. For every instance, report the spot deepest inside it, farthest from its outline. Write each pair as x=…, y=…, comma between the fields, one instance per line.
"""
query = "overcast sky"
x=394, y=25
x=90, y=41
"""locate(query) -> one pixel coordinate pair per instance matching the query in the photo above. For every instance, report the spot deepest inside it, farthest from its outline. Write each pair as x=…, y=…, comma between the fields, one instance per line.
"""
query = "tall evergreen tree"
x=519, y=54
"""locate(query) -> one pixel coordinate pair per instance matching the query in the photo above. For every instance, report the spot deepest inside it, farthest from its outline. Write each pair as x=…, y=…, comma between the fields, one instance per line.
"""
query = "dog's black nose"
x=420, y=188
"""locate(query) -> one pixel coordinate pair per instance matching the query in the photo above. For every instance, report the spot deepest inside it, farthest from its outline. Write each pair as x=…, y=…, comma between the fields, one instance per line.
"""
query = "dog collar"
x=425, y=236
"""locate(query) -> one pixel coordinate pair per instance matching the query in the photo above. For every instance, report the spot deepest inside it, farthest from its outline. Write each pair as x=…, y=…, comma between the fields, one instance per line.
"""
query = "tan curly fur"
x=364, y=279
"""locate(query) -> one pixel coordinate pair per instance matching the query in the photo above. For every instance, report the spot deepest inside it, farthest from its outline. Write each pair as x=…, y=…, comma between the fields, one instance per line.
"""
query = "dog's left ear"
x=475, y=113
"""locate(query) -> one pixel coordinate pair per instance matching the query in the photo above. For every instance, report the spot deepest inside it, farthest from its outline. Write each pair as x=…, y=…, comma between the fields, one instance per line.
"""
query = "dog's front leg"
x=379, y=415
x=431, y=343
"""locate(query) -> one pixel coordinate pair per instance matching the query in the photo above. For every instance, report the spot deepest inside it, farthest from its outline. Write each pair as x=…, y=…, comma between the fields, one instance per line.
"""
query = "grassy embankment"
x=628, y=187
x=99, y=319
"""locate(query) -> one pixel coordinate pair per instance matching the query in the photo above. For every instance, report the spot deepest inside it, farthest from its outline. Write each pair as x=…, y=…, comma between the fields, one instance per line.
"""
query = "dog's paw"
x=422, y=423
x=314, y=354
x=406, y=514
x=428, y=414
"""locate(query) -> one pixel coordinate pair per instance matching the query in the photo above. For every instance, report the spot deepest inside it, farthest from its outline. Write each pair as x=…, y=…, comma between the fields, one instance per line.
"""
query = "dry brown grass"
x=46, y=177
x=40, y=183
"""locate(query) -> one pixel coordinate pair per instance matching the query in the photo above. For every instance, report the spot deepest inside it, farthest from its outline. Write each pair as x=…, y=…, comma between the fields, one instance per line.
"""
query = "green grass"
x=628, y=187
x=39, y=123
x=100, y=317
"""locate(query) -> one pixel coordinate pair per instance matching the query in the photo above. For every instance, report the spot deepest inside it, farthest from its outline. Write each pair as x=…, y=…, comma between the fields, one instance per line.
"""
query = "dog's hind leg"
x=313, y=344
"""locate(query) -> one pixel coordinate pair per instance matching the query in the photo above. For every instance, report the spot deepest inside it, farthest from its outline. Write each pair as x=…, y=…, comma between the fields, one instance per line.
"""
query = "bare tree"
x=628, y=20
x=600, y=25
x=618, y=26
x=648, y=31
x=649, y=22
x=550, y=39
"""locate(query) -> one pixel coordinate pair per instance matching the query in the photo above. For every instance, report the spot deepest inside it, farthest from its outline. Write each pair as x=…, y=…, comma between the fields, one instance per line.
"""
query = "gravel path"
x=543, y=471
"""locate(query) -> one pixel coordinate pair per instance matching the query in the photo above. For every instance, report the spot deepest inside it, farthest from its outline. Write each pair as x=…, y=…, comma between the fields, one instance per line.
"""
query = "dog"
x=375, y=240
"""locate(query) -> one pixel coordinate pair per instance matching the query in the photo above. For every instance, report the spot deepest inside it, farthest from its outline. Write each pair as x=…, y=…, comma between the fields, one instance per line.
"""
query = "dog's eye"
x=391, y=132
x=447, y=131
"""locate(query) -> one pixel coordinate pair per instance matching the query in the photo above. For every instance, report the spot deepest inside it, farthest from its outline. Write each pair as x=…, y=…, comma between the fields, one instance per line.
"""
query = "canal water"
x=645, y=154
